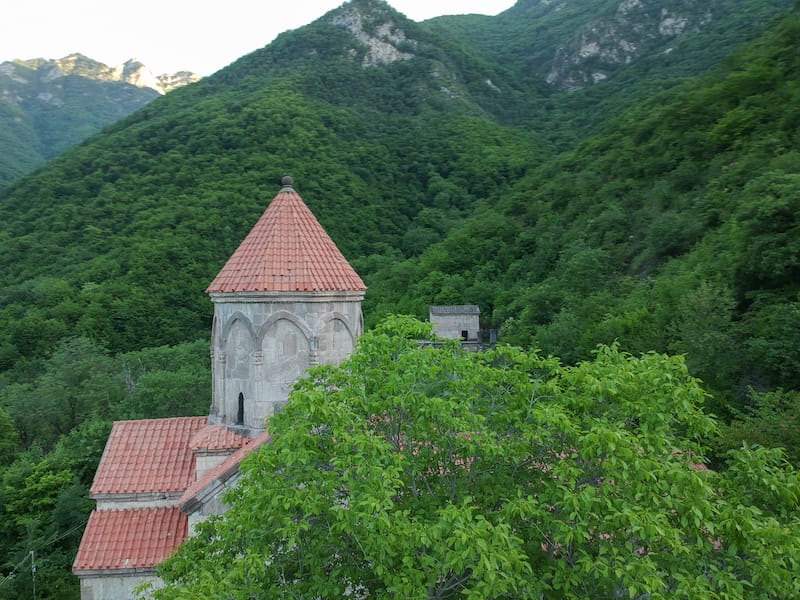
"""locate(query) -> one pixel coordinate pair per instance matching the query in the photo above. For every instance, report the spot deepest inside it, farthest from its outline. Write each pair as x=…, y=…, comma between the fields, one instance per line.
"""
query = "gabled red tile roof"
x=225, y=470
x=216, y=437
x=286, y=251
x=148, y=456
x=130, y=539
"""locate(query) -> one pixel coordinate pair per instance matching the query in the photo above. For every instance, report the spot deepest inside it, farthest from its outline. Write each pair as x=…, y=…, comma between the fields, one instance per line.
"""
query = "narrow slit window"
x=240, y=412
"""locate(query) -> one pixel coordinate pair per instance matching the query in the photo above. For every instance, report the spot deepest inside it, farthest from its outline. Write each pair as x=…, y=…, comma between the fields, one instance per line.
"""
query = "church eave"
x=288, y=297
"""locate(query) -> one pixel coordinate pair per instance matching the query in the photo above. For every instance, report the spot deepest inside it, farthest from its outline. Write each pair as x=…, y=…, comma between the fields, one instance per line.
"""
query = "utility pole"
x=33, y=573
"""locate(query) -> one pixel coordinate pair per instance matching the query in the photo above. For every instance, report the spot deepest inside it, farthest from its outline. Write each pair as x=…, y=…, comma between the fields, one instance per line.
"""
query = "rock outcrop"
x=620, y=38
x=373, y=26
x=132, y=72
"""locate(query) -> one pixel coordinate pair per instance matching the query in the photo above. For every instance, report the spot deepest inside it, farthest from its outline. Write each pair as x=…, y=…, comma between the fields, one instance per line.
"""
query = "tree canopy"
x=432, y=472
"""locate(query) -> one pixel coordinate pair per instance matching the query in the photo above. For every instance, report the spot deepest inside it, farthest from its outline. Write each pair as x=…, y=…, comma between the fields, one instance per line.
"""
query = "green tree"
x=702, y=328
x=428, y=473
x=769, y=420
x=77, y=382
x=9, y=438
x=43, y=509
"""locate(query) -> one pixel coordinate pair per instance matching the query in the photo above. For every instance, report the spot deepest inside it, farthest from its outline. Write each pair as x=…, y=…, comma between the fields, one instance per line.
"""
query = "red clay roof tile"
x=130, y=539
x=286, y=251
x=227, y=468
x=148, y=456
x=216, y=437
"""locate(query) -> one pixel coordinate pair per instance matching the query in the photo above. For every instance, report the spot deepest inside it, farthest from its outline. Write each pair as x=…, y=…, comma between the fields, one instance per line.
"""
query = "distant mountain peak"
x=48, y=105
x=376, y=25
x=132, y=72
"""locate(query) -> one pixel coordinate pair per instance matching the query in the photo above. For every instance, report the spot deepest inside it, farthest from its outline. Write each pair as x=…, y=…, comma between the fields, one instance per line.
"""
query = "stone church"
x=286, y=300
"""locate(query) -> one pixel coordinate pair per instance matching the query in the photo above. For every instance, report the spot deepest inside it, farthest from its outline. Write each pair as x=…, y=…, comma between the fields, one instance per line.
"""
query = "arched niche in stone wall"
x=239, y=346
x=336, y=340
x=285, y=348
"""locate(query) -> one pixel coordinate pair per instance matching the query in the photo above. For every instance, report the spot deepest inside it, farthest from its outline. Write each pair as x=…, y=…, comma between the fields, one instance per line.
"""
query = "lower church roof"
x=130, y=540
x=152, y=457
x=216, y=438
x=148, y=456
x=222, y=473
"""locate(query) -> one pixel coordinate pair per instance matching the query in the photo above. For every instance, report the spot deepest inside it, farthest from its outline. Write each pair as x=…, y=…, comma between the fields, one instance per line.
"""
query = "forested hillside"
x=674, y=230
x=581, y=42
x=135, y=222
x=661, y=219
x=634, y=48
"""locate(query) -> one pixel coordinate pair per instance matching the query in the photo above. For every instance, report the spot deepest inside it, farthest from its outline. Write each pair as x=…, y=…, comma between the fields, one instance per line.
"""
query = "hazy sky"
x=171, y=35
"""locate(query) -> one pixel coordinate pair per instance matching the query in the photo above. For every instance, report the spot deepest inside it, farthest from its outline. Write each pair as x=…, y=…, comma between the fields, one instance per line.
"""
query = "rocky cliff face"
x=382, y=36
x=574, y=44
x=620, y=36
x=132, y=72
x=373, y=24
x=172, y=81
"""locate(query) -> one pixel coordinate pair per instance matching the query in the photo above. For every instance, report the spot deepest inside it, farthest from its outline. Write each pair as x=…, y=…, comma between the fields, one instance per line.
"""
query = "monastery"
x=286, y=300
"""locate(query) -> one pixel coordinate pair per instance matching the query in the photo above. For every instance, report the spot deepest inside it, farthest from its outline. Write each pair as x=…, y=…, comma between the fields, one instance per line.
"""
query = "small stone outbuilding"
x=460, y=322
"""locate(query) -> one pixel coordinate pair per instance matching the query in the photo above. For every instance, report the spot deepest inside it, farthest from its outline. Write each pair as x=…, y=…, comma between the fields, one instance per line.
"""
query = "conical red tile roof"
x=286, y=251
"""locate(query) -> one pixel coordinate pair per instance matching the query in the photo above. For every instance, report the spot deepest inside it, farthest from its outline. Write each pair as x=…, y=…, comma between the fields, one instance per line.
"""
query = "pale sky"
x=172, y=35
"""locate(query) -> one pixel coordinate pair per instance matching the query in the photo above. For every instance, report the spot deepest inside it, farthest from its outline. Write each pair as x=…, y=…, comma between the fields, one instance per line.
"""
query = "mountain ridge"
x=48, y=105
x=132, y=72
x=573, y=44
x=316, y=104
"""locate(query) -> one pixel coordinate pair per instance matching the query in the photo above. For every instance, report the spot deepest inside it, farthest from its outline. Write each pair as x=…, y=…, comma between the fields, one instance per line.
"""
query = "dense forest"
x=657, y=210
